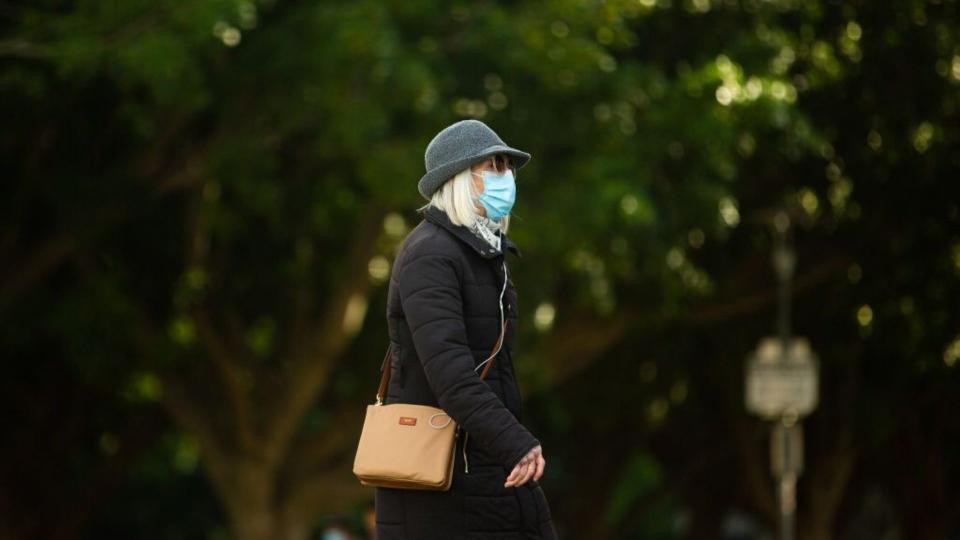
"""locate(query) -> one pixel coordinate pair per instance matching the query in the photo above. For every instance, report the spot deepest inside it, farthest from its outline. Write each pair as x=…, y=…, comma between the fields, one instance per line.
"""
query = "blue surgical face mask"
x=499, y=193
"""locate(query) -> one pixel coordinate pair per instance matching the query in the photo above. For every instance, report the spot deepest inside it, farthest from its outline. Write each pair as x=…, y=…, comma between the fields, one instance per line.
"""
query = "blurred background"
x=201, y=202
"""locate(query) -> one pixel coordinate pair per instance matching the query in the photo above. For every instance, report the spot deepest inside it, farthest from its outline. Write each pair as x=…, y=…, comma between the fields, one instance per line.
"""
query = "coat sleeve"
x=430, y=297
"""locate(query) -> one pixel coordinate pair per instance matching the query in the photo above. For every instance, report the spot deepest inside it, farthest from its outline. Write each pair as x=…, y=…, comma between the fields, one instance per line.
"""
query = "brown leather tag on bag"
x=408, y=421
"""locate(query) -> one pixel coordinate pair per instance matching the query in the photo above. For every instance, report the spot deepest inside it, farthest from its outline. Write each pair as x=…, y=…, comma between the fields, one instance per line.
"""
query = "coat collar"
x=439, y=217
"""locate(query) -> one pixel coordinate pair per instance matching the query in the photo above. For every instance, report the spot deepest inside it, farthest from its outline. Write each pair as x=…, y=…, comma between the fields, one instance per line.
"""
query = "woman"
x=449, y=294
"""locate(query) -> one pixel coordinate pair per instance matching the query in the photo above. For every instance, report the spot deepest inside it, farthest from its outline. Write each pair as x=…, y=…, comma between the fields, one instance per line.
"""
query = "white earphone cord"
x=466, y=463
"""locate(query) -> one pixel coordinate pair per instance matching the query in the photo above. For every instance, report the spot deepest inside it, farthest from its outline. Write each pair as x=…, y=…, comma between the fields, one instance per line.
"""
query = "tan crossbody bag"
x=409, y=446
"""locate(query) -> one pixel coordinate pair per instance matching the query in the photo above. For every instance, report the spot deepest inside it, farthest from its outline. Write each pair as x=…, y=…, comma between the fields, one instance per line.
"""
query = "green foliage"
x=640, y=476
x=168, y=155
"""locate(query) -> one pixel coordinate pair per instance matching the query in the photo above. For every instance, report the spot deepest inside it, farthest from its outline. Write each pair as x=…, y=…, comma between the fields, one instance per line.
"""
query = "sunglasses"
x=501, y=163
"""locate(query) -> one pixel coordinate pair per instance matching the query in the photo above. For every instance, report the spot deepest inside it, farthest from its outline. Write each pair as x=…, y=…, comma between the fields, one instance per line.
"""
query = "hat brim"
x=436, y=177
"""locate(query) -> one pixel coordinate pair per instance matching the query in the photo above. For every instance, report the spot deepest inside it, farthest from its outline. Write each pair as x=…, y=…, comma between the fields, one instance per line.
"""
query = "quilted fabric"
x=443, y=317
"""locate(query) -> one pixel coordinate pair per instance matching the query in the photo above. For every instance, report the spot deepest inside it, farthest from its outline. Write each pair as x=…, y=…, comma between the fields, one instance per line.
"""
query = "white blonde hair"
x=458, y=198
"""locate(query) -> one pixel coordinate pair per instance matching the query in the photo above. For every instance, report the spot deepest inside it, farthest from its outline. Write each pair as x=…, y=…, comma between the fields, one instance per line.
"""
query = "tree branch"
x=753, y=303
x=190, y=417
x=35, y=266
x=187, y=414
x=581, y=341
x=577, y=344
x=315, y=355
x=235, y=379
x=318, y=452
x=20, y=48
x=57, y=249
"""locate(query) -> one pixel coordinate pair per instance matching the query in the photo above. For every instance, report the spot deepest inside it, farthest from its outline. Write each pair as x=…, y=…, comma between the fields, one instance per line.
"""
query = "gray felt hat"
x=458, y=146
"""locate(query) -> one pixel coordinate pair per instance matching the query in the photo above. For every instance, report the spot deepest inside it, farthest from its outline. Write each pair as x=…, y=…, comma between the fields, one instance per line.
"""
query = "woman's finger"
x=531, y=472
x=529, y=460
x=518, y=472
x=527, y=473
x=541, y=465
x=516, y=477
x=514, y=474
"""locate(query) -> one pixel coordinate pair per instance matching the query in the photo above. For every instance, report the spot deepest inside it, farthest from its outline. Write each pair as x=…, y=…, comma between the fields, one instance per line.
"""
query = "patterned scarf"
x=488, y=230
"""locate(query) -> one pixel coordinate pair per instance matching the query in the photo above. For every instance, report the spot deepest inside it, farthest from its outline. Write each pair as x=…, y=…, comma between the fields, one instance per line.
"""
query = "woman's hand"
x=531, y=466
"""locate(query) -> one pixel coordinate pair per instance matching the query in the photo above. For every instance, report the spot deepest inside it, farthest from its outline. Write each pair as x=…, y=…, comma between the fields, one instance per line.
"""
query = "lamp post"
x=781, y=384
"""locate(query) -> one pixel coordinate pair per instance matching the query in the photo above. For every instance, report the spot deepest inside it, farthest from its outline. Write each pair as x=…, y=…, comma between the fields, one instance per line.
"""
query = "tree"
x=206, y=197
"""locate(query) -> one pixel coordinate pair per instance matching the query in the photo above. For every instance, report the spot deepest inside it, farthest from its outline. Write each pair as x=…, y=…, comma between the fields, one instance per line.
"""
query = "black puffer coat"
x=444, y=318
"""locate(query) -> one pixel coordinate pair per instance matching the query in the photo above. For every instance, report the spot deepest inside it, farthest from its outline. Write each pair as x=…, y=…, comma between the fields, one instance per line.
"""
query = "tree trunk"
x=266, y=524
x=816, y=528
x=249, y=493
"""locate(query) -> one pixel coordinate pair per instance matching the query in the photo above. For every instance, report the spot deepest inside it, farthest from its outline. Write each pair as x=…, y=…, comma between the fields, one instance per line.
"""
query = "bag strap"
x=385, y=371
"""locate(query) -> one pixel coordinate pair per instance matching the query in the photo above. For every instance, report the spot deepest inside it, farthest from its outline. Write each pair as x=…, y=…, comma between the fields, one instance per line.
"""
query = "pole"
x=786, y=454
x=788, y=505
x=784, y=261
